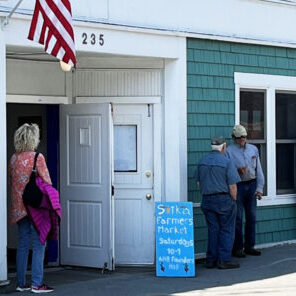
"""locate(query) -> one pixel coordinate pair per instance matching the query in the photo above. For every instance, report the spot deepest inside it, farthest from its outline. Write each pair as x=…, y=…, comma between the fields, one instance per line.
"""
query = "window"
x=125, y=148
x=266, y=106
x=252, y=116
x=285, y=142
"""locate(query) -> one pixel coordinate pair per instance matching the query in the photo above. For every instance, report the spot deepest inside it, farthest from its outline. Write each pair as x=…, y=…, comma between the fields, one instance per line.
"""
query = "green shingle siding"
x=210, y=103
x=291, y=53
x=211, y=66
x=206, y=132
x=206, y=69
x=209, y=81
x=201, y=94
x=274, y=224
x=200, y=231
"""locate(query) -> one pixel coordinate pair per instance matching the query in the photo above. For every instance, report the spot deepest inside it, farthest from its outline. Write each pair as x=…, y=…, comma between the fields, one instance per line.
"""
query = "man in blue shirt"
x=217, y=177
x=250, y=188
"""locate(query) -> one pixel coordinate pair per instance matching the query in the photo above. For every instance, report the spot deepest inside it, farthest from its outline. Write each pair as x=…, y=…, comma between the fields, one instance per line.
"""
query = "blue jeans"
x=246, y=201
x=26, y=231
x=220, y=212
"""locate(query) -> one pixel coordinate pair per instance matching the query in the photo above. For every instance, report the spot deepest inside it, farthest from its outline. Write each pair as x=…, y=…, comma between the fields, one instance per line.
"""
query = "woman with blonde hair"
x=26, y=140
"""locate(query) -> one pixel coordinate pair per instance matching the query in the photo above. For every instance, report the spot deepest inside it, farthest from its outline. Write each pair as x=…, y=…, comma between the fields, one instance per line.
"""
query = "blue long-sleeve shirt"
x=247, y=156
x=215, y=172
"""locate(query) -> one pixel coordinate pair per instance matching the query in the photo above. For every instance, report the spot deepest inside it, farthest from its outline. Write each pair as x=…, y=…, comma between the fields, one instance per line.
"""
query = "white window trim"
x=269, y=83
x=284, y=2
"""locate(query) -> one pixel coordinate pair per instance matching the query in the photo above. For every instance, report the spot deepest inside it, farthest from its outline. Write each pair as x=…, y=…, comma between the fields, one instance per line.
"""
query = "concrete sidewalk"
x=273, y=273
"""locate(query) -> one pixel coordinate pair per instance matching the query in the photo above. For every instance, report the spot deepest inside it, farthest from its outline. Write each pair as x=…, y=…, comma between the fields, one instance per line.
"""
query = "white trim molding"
x=119, y=100
x=30, y=99
x=271, y=84
x=3, y=162
x=284, y=2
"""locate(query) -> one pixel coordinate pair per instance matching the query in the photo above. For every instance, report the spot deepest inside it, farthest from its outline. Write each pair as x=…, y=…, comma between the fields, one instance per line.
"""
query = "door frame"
x=157, y=131
x=158, y=144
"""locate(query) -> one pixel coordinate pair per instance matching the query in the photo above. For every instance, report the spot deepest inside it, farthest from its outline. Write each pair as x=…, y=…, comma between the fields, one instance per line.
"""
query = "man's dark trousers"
x=220, y=213
x=246, y=201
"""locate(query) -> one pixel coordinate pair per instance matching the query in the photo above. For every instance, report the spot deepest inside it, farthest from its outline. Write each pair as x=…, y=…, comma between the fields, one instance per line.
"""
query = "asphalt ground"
x=272, y=273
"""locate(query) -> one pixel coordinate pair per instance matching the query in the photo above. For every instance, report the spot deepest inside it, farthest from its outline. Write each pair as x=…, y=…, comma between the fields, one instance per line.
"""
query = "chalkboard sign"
x=174, y=239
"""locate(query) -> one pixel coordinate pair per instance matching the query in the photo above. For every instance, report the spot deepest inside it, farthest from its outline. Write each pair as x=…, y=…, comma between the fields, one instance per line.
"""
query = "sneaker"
x=252, y=252
x=41, y=289
x=227, y=265
x=239, y=254
x=22, y=289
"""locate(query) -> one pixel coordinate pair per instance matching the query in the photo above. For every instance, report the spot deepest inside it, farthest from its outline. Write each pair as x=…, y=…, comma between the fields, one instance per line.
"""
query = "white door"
x=133, y=182
x=85, y=182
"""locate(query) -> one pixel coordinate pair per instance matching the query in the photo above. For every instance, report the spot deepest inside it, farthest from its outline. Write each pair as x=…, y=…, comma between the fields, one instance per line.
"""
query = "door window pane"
x=285, y=142
x=252, y=116
x=125, y=148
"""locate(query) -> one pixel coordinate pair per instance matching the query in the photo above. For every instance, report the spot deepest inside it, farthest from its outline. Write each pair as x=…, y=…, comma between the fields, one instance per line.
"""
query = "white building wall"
x=35, y=78
x=3, y=167
x=272, y=21
x=155, y=60
x=118, y=83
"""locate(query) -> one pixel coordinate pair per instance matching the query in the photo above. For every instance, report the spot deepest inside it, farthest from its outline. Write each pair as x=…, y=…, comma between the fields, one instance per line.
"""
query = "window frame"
x=270, y=84
x=284, y=2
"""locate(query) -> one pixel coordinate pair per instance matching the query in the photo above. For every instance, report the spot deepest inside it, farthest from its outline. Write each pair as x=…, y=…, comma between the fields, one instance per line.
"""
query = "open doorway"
x=47, y=117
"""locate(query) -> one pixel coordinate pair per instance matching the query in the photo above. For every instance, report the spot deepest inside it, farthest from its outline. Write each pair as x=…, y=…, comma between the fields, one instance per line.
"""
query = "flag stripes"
x=52, y=26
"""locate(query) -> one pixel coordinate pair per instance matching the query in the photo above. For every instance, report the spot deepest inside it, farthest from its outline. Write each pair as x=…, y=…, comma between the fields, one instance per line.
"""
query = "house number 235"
x=93, y=39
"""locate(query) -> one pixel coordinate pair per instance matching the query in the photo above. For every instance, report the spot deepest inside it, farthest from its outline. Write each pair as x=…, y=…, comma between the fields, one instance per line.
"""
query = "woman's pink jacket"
x=47, y=217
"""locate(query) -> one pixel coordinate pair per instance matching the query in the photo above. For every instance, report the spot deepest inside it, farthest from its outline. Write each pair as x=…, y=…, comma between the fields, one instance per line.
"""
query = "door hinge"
x=112, y=190
x=149, y=112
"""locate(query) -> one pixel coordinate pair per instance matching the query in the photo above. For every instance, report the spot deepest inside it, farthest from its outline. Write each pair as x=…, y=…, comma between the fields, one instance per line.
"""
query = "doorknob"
x=148, y=196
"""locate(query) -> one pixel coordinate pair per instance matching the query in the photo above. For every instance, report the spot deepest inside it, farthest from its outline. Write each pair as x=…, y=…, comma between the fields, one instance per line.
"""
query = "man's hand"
x=259, y=195
x=233, y=191
x=242, y=170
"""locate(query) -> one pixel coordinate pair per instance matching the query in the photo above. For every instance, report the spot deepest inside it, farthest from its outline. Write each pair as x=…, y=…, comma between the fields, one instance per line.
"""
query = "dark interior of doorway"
x=47, y=117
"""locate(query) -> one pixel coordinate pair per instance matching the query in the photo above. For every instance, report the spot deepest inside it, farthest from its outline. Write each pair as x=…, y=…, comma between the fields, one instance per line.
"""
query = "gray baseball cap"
x=217, y=141
x=239, y=131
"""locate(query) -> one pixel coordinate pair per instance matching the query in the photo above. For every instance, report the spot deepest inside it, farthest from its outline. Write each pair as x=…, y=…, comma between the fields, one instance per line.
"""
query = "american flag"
x=52, y=26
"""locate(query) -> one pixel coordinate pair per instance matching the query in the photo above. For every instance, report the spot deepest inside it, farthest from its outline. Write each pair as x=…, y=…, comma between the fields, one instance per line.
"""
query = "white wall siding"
x=118, y=83
x=246, y=19
x=103, y=62
x=35, y=78
x=95, y=9
x=3, y=167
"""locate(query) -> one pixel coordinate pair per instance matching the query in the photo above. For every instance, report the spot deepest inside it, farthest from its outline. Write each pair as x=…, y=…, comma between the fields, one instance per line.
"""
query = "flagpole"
x=6, y=20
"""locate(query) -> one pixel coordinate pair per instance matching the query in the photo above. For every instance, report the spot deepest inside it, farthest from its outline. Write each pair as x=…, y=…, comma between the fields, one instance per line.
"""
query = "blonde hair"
x=26, y=138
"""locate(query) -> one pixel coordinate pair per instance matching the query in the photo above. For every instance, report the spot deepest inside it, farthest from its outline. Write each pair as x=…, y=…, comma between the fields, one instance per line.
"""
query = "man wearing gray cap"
x=250, y=188
x=217, y=177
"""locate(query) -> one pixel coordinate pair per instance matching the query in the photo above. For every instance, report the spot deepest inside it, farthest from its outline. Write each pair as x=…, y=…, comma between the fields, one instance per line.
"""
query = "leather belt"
x=247, y=182
x=217, y=193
